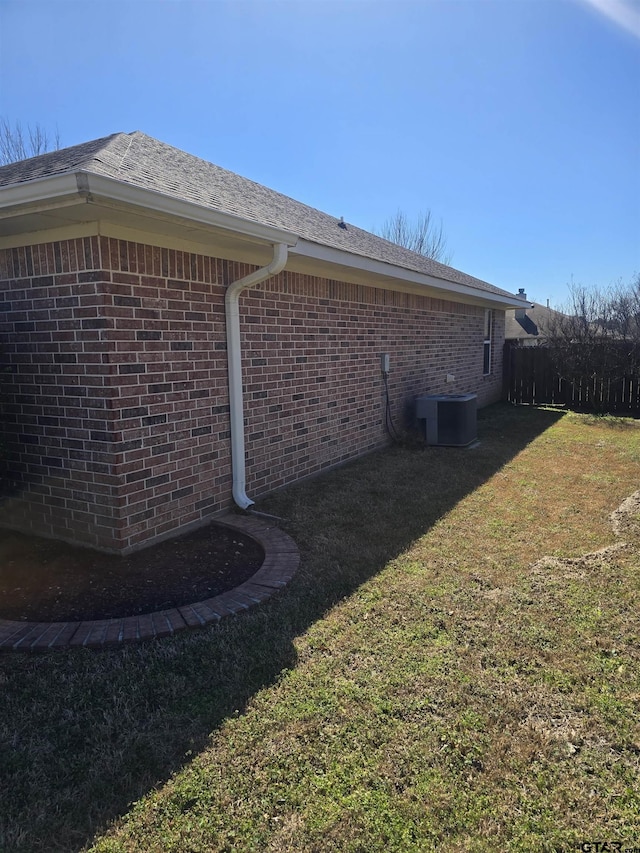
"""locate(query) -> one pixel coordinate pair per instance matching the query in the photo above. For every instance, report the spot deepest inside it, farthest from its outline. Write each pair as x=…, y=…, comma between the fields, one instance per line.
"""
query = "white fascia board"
x=101, y=186
x=39, y=190
x=88, y=187
x=61, y=190
x=339, y=257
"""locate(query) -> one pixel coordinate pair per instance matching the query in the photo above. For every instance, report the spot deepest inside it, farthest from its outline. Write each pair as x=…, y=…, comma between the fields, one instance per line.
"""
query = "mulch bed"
x=47, y=581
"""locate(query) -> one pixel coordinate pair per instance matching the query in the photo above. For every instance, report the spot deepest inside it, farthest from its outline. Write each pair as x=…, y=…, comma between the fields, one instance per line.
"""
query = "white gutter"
x=81, y=186
x=38, y=190
x=234, y=358
x=43, y=194
x=99, y=187
x=390, y=271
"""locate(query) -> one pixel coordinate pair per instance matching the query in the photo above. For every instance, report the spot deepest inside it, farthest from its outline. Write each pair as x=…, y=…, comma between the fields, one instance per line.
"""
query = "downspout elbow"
x=278, y=263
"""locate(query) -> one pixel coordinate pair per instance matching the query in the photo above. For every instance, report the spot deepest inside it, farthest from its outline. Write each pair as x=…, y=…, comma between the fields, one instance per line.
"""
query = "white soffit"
x=314, y=259
x=62, y=197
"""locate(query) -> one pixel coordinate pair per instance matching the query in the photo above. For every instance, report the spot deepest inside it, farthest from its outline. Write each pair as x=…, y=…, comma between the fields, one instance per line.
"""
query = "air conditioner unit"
x=450, y=419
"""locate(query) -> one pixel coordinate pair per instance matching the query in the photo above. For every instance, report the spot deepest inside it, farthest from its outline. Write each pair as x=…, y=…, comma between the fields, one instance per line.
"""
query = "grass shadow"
x=85, y=734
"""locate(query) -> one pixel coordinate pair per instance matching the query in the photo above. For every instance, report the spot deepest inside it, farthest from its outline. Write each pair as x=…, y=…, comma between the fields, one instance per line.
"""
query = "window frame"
x=487, y=361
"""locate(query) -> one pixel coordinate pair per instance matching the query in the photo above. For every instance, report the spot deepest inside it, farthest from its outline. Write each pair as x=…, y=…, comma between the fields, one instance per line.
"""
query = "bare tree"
x=626, y=309
x=423, y=235
x=595, y=339
x=19, y=143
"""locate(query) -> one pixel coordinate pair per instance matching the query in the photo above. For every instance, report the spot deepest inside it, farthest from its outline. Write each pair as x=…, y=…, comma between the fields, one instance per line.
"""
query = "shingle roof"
x=535, y=323
x=140, y=160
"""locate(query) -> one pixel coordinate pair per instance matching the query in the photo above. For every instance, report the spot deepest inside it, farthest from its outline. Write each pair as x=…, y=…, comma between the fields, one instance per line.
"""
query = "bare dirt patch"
x=626, y=519
x=48, y=581
x=626, y=524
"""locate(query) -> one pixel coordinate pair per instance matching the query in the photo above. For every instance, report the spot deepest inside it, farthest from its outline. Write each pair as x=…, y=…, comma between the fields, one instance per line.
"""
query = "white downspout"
x=234, y=358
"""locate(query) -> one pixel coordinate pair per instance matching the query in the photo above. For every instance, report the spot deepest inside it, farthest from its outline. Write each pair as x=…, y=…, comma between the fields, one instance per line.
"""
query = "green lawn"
x=427, y=682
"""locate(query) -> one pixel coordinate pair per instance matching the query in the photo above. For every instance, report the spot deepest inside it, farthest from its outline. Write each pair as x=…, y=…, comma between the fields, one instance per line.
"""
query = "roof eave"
x=339, y=257
x=83, y=186
x=37, y=192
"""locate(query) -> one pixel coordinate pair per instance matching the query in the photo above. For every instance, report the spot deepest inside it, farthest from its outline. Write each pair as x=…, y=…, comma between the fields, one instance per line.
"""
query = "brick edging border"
x=280, y=564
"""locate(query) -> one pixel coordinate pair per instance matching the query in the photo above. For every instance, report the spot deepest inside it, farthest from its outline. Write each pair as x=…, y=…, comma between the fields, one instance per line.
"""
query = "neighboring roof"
x=141, y=161
x=533, y=322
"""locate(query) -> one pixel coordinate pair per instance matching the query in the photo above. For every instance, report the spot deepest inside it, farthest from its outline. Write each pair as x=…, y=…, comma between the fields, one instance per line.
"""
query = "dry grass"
x=448, y=671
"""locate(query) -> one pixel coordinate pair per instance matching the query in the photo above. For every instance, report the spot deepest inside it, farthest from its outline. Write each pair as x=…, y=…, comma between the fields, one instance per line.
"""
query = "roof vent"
x=342, y=223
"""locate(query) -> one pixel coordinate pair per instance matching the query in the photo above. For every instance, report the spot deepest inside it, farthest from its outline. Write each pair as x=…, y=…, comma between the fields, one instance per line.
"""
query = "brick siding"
x=116, y=404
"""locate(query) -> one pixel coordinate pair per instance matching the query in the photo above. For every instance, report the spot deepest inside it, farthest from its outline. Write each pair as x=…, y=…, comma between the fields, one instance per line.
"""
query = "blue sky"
x=516, y=122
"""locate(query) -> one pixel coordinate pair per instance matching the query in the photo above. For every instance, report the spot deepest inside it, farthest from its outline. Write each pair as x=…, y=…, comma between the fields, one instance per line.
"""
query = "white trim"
x=51, y=235
x=306, y=248
x=226, y=248
x=99, y=185
x=487, y=342
x=41, y=189
x=60, y=190
x=90, y=187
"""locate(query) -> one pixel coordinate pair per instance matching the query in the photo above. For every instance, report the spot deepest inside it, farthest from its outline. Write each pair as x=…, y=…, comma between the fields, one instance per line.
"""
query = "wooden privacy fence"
x=530, y=378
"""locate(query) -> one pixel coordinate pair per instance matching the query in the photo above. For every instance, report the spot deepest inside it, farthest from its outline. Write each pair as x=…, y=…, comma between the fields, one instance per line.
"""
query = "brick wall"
x=314, y=390
x=117, y=410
